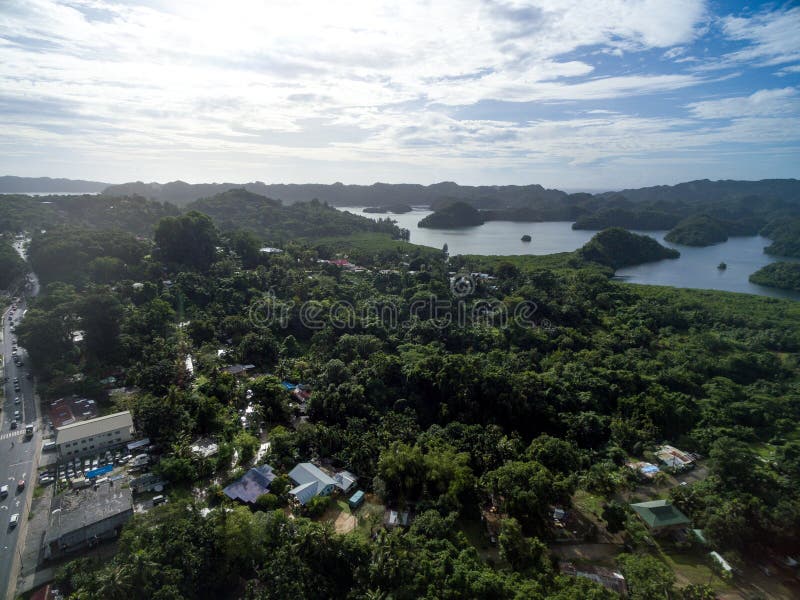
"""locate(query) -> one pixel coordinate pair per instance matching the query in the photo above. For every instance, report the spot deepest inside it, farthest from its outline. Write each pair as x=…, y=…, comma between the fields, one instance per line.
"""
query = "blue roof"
x=288, y=386
x=252, y=484
x=305, y=472
x=356, y=497
x=305, y=491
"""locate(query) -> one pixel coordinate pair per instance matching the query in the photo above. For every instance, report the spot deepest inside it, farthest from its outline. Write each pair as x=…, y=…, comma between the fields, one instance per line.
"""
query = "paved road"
x=17, y=455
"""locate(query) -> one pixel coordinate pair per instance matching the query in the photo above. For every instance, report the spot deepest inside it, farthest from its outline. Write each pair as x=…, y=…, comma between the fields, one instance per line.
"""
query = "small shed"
x=356, y=499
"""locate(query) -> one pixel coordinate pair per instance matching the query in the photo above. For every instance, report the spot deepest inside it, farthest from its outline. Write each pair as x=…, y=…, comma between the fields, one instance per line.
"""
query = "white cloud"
x=221, y=88
x=773, y=37
x=763, y=103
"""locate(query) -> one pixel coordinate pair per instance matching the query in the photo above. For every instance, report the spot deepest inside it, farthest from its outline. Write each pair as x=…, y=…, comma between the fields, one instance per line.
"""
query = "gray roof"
x=72, y=511
x=305, y=491
x=251, y=485
x=345, y=480
x=306, y=472
x=83, y=429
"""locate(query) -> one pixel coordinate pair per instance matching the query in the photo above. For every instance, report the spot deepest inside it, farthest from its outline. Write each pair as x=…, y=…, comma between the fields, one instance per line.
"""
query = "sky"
x=570, y=94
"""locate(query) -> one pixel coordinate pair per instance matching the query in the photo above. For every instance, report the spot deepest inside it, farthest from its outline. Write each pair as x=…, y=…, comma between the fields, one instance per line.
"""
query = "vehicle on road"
x=21, y=485
x=13, y=425
x=28, y=431
x=16, y=400
x=14, y=520
x=3, y=491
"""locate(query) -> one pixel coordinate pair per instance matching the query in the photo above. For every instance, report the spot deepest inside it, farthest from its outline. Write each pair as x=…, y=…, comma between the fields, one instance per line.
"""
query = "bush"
x=317, y=506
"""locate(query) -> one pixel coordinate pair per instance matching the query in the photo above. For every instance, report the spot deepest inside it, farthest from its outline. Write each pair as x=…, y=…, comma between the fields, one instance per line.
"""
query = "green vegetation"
x=451, y=216
x=274, y=222
x=447, y=417
x=698, y=231
x=645, y=220
x=618, y=247
x=785, y=236
x=783, y=275
x=12, y=267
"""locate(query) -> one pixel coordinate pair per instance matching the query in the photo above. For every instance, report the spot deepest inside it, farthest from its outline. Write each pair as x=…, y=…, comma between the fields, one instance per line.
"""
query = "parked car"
x=21, y=484
x=3, y=491
x=13, y=424
x=14, y=520
x=16, y=400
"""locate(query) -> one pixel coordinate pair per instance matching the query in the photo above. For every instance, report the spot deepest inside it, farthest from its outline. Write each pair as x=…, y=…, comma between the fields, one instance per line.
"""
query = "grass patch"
x=693, y=567
x=588, y=504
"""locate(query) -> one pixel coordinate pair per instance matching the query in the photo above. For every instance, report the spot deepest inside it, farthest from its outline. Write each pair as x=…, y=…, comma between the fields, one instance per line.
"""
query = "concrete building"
x=94, y=435
x=86, y=517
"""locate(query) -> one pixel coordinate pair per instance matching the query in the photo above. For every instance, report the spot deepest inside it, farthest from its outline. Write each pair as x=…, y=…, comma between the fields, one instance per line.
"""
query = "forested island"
x=783, y=275
x=616, y=248
x=452, y=216
x=476, y=431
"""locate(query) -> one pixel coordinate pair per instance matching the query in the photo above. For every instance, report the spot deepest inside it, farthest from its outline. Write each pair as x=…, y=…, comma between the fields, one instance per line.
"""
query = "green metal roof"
x=660, y=513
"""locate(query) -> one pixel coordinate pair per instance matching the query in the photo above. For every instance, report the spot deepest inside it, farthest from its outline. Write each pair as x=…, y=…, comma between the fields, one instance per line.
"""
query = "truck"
x=28, y=431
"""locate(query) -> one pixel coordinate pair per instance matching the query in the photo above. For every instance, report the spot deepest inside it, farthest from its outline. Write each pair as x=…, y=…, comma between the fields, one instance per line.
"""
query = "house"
x=251, y=485
x=356, y=500
x=310, y=481
x=609, y=579
x=674, y=458
x=239, y=369
x=205, y=447
x=85, y=517
x=94, y=435
x=660, y=516
x=345, y=480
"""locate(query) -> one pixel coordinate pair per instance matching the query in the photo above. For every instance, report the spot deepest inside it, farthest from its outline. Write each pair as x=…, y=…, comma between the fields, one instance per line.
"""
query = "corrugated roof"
x=305, y=472
x=660, y=513
x=83, y=429
x=305, y=491
x=251, y=485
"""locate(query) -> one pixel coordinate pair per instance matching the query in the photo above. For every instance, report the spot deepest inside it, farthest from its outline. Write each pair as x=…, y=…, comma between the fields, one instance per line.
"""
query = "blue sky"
x=596, y=94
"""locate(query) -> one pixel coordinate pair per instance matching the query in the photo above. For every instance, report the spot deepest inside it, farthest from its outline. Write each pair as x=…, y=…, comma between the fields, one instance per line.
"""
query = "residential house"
x=251, y=485
x=310, y=481
x=674, y=458
x=660, y=516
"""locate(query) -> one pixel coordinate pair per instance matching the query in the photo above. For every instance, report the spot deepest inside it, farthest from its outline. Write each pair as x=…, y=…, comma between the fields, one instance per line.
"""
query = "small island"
x=617, y=248
x=722, y=266
x=526, y=238
x=698, y=231
x=452, y=216
x=781, y=275
x=396, y=209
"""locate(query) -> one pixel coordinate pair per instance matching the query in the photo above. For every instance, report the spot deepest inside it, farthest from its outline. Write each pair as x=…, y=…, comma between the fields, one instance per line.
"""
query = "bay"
x=696, y=268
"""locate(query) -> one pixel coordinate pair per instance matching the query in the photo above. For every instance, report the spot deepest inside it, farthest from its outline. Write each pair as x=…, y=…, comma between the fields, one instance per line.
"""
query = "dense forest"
x=783, y=275
x=443, y=416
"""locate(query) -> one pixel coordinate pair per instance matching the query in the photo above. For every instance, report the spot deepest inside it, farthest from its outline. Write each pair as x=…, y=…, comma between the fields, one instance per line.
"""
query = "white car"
x=3, y=491
x=14, y=520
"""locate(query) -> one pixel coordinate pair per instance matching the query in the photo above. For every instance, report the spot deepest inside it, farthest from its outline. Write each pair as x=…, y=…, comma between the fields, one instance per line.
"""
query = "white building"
x=94, y=435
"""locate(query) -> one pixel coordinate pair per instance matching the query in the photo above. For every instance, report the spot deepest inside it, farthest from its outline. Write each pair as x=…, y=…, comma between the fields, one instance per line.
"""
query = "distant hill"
x=240, y=208
x=10, y=184
x=339, y=194
x=705, y=191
